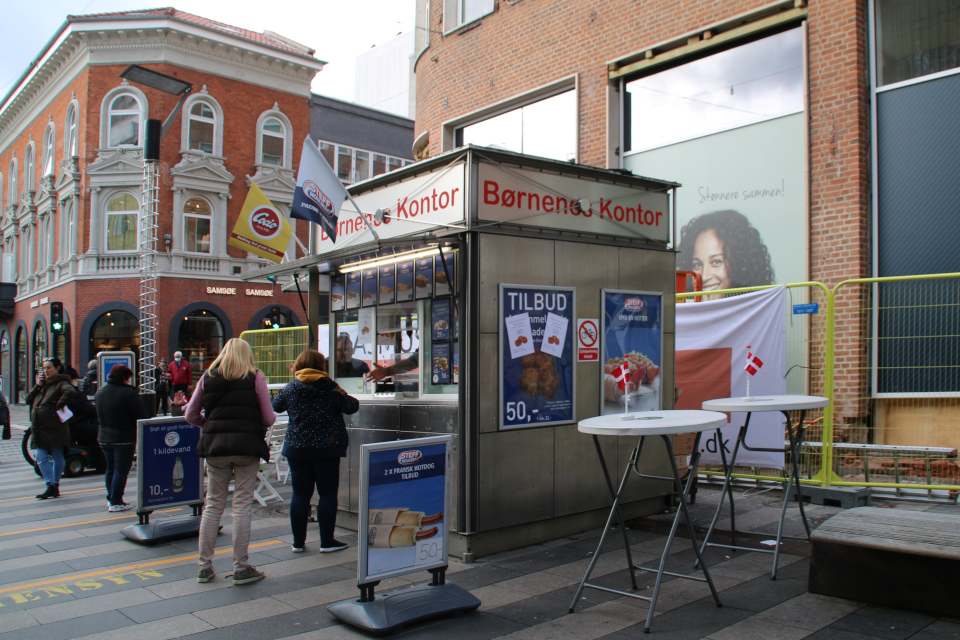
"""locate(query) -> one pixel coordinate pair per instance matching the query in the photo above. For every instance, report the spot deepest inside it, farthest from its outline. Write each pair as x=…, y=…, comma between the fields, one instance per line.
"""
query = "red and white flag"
x=753, y=363
x=622, y=374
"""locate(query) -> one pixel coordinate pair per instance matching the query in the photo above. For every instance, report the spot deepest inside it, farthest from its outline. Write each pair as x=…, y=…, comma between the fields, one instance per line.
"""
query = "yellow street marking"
x=76, y=524
x=155, y=563
x=63, y=493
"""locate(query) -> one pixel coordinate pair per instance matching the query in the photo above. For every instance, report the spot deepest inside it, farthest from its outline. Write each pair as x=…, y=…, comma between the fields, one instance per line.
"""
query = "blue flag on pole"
x=319, y=193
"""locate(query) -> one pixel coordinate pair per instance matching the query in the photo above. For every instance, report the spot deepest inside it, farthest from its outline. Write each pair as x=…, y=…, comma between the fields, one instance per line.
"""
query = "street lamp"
x=147, y=245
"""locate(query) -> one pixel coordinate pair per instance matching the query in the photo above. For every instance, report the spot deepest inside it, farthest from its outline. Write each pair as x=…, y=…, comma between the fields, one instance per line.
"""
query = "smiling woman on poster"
x=726, y=250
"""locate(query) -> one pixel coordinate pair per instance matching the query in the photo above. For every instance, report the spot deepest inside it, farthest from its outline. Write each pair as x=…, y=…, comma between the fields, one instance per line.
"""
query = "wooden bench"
x=894, y=557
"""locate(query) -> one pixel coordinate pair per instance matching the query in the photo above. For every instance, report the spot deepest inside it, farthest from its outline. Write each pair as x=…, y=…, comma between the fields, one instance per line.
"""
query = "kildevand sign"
x=540, y=199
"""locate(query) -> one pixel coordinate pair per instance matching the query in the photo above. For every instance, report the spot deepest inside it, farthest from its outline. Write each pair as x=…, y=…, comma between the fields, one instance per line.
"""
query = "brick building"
x=822, y=129
x=71, y=133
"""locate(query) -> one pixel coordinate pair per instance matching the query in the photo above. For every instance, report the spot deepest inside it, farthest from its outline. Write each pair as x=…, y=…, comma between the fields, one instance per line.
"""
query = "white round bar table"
x=752, y=404
x=643, y=424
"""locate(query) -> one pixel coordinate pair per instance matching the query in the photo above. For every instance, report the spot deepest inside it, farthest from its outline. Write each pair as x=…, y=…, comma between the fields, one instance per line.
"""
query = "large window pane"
x=363, y=165
x=124, y=130
x=272, y=150
x=344, y=163
x=751, y=83
x=329, y=153
x=916, y=38
x=546, y=128
x=379, y=164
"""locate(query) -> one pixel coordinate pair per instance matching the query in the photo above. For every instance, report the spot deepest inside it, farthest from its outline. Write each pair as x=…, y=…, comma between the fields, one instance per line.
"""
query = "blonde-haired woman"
x=231, y=405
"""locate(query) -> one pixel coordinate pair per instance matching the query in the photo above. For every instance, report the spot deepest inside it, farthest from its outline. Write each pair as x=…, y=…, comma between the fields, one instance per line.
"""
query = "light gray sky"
x=338, y=30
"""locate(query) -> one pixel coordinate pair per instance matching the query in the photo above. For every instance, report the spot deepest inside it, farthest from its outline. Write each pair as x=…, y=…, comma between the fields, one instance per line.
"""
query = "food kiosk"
x=507, y=297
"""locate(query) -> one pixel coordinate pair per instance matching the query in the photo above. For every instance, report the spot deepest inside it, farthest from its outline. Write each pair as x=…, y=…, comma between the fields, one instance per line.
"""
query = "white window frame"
x=29, y=168
x=106, y=219
x=287, y=138
x=26, y=244
x=217, y=121
x=453, y=14
x=105, y=115
x=70, y=128
x=187, y=215
x=49, y=150
x=354, y=176
x=12, y=191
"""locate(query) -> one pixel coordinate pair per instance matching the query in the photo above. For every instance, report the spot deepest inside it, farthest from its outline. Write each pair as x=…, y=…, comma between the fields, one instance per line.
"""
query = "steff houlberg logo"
x=633, y=304
x=409, y=457
x=312, y=190
x=265, y=222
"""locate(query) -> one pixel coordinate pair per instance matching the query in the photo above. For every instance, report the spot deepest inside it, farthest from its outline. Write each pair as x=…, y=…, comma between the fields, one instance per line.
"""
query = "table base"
x=683, y=491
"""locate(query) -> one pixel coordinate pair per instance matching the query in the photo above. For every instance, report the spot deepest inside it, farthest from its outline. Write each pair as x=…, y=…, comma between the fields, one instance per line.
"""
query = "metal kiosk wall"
x=425, y=301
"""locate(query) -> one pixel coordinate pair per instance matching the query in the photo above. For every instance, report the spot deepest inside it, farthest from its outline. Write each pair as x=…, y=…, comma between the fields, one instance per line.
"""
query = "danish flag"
x=622, y=373
x=753, y=363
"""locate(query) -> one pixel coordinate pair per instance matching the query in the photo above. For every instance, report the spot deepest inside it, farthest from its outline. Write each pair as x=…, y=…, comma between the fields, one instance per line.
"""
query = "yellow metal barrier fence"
x=275, y=350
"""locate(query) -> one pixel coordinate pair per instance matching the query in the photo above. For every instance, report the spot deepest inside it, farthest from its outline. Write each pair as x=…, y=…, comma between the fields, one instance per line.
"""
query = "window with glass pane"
x=363, y=165
x=473, y=9
x=124, y=122
x=751, y=83
x=201, y=338
x=48, y=151
x=197, y=216
x=202, y=125
x=122, y=212
x=28, y=170
x=398, y=344
x=12, y=191
x=546, y=128
x=354, y=357
x=273, y=138
x=393, y=163
x=329, y=153
x=916, y=38
x=70, y=146
x=379, y=164
x=344, y=163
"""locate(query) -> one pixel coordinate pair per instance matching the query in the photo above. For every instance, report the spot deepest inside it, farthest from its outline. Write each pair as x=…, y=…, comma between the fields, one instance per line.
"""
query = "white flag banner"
x=712, y=340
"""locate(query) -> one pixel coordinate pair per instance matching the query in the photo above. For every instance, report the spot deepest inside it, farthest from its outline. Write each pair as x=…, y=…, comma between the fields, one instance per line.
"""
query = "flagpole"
x=376, y=236
x=748, y=372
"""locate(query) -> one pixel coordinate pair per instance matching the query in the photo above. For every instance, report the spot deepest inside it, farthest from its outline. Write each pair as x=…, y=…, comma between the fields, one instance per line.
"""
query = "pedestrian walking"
x=316, y=440
x=118, y=409
x=163, y=391
x=231, y=405
x=50, y=435
x=179, y=375
x=88, y=386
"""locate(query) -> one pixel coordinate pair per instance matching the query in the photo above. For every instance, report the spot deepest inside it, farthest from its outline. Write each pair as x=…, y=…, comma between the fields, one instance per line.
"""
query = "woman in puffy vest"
x=231, y=405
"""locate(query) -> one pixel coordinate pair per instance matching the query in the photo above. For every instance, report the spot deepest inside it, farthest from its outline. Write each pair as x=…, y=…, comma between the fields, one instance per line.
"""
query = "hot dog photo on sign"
x=632, y=341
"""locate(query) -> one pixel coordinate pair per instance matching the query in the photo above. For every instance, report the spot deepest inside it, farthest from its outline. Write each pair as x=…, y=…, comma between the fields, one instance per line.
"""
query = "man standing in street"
x=179, y=375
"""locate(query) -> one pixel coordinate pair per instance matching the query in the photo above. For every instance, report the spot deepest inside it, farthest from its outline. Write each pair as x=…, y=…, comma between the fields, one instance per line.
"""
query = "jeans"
x=119, y=460
x=243, y=470
x=325, y=475
x=51, y=462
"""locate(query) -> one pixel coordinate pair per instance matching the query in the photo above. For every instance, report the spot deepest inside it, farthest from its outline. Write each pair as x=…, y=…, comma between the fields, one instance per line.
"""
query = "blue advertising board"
x=537, y=355
x=106, y=360
x=168, y=465
x=404, y=502
x=631, y=331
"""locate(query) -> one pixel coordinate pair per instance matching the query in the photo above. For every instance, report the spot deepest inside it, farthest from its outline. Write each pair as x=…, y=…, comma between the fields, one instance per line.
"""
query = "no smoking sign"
x=588, y=334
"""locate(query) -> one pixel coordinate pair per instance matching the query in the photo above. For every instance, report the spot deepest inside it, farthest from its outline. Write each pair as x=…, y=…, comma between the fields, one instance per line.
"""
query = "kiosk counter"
x=465, y=307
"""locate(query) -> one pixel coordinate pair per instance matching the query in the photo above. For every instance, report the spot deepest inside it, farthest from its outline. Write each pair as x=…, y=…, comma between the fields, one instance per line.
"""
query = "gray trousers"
x=220, y=470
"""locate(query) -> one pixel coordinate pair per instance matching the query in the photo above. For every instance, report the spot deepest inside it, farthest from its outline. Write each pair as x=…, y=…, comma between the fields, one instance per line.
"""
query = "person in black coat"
x=50, y=436
x=163, y=393
x=316, y=440
x=118, y=409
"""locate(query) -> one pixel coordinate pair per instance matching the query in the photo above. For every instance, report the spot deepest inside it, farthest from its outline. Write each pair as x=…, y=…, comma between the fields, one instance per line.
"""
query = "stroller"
x=84, y=452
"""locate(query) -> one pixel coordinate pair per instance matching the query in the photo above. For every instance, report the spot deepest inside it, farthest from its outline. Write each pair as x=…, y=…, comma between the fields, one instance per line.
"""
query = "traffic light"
x=275, y=317
x=56, y=317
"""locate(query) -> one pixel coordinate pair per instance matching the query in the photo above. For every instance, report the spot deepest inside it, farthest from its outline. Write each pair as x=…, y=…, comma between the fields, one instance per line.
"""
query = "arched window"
x=39, y=344
x=200, y=339
x=197, y=218
x=115, y=331
x=29, y=170
x=124, y=121
x=203, y=125
x=23, y=371
x=273, y=137
x=70, y=131
x=122, y=212
x=12, y=191
x=49, y=141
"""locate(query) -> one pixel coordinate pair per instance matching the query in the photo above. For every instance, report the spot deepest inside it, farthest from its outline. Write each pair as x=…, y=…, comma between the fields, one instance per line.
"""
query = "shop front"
x=496, y=303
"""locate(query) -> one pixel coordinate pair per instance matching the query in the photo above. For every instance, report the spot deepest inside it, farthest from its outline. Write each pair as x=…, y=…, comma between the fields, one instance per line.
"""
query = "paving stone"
x=483, y=575
x=278, y=626
x=166, y=629
x=594, y=622
x=753, y=629
x=762, y=593
x=17, y=620
x=95, y=624
x=238, y=613
x=831, y=633
x=939, y=630
x=535, y=610
x=541, y=559
x=809, y=611
x=87, y=606
x=472, y=626
x=884, y=622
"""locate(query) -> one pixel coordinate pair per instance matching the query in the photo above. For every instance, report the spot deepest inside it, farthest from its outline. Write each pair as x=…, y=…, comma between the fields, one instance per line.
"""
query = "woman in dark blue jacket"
x=316, y=440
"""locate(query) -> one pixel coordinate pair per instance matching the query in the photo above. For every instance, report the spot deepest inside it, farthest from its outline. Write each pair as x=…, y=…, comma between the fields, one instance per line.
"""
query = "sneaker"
x=297, y=549
x=120, y=507
x=206, y=575
x=333, y=545
x=247, y=575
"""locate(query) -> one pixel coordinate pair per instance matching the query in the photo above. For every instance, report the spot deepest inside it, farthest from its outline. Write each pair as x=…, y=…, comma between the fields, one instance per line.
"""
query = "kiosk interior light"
x=381, y=262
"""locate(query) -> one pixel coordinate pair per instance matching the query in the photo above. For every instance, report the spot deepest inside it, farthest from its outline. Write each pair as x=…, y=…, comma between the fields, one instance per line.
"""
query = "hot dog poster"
x=444, y=278
x=337, y=292
x=405, y=281
x=403, y=507
x=424, y=278
x=632, y=333
x=536, y=356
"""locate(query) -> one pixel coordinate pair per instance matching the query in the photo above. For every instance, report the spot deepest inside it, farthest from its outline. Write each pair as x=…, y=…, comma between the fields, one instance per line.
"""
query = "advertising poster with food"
x=536, y=356
x=424, y=278
x=353, y=290
x=456, y=363
x=405, y=281
x=370, y=291
x=441, y=363
x=444, y=278
x=632, y=350
x=169, y=469
x=387, y=284
x=404, y=501
x=336, y=293
x=441, y=319
x=365, y=327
